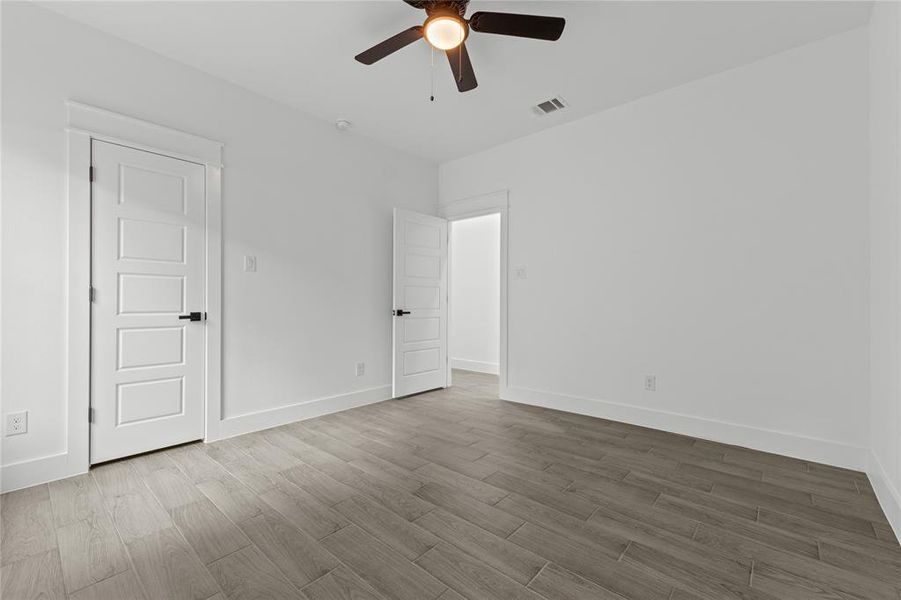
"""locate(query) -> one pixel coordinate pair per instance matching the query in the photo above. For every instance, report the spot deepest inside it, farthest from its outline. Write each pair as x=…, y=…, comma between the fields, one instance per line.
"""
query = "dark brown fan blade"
x=461, y=66
x=527, y=26
x=392, y=44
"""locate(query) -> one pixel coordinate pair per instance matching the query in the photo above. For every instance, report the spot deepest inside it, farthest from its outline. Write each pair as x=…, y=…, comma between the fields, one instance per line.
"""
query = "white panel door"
x=147, y=271
x=420, y=303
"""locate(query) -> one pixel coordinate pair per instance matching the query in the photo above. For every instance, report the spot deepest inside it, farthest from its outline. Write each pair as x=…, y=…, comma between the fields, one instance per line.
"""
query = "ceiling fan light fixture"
x=445, y=32
x=446, y=29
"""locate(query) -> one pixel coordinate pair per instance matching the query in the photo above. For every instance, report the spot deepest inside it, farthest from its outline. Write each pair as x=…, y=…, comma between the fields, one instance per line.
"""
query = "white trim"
x=122, y=129
x=36, y=471
x=888, y=495
x=476, y=206
x=477, y=366
x=767, y=440
x=309, y=409
x=78, y=306
x=213, y=301
x=87, y=123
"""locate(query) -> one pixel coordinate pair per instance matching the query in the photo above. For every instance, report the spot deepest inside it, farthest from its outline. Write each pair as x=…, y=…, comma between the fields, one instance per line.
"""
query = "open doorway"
x=474, y=327
x=423, y=292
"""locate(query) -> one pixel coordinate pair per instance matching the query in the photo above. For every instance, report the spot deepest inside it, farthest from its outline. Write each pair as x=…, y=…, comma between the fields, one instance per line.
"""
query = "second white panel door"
x=420, y=302
x=148, y=275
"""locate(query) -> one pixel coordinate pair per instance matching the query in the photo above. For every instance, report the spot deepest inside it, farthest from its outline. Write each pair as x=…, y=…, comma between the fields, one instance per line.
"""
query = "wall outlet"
x=250, y=263
x=361, y=368
x=650, y=383
x=17, y=423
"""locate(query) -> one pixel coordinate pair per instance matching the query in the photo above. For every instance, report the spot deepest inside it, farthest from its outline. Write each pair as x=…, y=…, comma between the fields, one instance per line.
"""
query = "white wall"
x=885, y=257
x=475, y=293
x=714, y=235
x=313, y=205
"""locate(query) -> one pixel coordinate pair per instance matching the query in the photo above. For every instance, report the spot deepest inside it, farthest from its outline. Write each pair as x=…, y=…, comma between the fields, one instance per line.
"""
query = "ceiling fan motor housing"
x=455, y=7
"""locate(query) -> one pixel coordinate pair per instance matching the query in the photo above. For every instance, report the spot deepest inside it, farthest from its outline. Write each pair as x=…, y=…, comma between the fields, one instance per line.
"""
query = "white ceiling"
x=301, y=53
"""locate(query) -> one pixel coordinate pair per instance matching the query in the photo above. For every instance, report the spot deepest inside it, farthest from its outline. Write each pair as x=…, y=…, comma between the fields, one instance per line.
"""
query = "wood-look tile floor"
x=452, y=494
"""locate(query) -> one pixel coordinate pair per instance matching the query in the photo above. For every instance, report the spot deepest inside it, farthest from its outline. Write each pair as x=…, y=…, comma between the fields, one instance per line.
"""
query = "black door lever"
x=194, y=316
x=400, y=312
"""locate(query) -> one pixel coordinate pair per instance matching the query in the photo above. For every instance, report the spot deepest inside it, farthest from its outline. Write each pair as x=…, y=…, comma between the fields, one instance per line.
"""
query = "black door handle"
x=401, y=312
x=194, y=316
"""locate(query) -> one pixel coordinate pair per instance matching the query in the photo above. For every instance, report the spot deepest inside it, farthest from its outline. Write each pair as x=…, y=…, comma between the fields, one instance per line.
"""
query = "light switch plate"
x=250, y=263
x=519, y=273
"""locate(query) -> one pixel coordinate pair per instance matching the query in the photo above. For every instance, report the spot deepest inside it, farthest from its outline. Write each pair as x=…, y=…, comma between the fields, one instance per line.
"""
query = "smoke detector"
x=343, y=124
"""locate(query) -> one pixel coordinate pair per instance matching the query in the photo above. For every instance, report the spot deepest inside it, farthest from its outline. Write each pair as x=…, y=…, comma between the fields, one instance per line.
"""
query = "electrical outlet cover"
x=17, y=423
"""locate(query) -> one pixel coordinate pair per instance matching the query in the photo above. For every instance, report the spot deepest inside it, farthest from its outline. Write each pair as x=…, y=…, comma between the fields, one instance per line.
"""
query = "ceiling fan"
x=446, y=28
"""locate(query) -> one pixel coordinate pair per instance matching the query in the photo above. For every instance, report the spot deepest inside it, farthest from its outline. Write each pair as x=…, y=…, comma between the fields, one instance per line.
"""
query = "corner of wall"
x=887, y=494
x=884, y=201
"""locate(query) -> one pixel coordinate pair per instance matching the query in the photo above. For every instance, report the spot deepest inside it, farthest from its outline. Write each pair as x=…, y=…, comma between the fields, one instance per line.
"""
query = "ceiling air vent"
x=549, y=106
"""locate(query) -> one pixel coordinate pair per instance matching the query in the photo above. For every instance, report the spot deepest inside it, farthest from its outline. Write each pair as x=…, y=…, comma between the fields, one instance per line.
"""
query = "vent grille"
x=549, y=106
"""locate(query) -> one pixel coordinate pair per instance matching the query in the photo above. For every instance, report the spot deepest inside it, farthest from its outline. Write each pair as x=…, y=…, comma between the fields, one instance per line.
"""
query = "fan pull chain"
x=432, y=75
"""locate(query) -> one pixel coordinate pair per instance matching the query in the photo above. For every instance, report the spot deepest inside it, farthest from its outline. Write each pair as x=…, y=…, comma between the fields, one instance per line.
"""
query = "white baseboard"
x=778, y=442
x=36, y=471
x=51, y=468
x=282, y=415
x=475, y=365
x=888, y=495
x=58, y=466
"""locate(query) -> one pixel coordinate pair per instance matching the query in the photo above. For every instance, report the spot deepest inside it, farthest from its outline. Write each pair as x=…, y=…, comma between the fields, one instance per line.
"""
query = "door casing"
x=87, y=123
x=476, y=206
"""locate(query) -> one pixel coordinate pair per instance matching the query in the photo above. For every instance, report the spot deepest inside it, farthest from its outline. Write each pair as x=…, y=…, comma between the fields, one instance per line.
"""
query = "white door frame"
x=476, y=206
x=88, y=123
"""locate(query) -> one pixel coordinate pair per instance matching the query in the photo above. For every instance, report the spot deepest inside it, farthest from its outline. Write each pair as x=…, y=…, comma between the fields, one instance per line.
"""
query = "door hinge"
x=91, y=294
x=90, y=414
x=91, y=173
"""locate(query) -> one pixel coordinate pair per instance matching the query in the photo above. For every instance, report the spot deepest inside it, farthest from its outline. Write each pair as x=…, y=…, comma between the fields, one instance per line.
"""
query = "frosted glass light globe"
x=445, y=33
